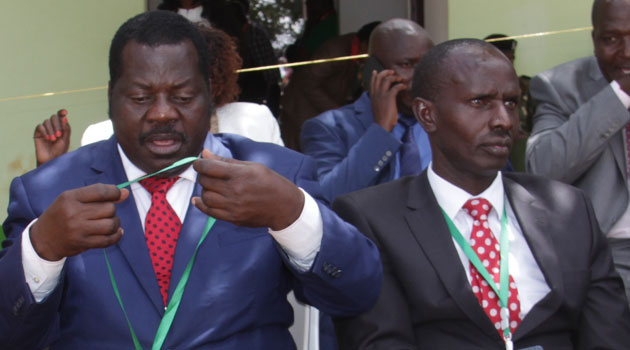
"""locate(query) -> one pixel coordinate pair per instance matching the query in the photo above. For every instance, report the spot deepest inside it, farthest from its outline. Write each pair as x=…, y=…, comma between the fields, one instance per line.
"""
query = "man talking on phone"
x=376, y=139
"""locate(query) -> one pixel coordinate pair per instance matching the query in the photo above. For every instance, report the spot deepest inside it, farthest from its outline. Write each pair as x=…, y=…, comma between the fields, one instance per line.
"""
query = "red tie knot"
x=478, y=208
x=158, y=184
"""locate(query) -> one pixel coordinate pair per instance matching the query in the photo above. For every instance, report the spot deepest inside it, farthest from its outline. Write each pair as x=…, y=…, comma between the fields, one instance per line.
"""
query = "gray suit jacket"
x=426, y=301
x=577, y=136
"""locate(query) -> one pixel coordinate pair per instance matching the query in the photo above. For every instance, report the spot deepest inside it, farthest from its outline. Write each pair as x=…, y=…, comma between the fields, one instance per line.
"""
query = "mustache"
x=500, y=134
x=161, y=132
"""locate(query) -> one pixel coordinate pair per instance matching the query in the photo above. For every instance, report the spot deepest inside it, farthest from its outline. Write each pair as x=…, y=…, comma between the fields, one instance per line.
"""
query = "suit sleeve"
x=564, y=142
x=346, y=276
x=24, y=323
x=605, y=319
x=387, y=325
x=344, y=167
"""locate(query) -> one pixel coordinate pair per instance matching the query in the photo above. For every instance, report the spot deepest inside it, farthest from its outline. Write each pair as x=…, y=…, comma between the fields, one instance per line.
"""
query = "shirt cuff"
x=303, y=238
x=41, y=275
x=623, y=97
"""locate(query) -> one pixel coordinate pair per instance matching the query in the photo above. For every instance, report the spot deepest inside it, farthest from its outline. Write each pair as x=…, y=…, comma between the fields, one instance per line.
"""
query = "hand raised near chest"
x=246, y=193
x=78, y=220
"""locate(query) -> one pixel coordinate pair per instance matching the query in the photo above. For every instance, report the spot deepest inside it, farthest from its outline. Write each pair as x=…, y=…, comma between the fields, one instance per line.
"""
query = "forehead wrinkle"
x=467, y=62
x=163, y=61
x=606, y=11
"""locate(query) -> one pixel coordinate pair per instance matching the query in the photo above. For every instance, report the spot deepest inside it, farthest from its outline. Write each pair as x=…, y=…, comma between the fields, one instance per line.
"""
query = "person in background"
x=316, y=88
x=526, y=107
x=581, y=132
x=322, y=24
x=475, y=258
x=255, y=121
x=90, y=265
x=255, y=48
x=375, y=139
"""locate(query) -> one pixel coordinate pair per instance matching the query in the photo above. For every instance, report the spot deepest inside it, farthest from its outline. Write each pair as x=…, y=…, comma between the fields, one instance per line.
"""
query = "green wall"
x=478, y=18
x=49, y=46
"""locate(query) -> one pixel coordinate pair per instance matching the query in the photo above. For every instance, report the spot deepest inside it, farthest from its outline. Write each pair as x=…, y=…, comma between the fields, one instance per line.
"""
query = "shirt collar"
x=452, y=198
x=211, y=143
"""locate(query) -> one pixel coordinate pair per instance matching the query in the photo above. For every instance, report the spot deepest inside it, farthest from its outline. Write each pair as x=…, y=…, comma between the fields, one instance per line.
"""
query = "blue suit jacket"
x=352, y=151
x=236, y=294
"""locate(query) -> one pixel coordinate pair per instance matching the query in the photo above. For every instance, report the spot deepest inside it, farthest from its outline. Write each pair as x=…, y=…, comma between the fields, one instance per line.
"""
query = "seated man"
x=73, y=280
x=375, y=139
x=581, y=132
x=474, y=258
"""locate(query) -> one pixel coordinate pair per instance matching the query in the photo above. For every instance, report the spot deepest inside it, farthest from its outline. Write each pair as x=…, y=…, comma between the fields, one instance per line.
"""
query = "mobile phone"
x=371, y=64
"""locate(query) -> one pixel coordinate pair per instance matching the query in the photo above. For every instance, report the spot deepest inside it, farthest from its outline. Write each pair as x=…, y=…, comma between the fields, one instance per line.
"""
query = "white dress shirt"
x=301, y=240
x=524, y=269
x=621, y=229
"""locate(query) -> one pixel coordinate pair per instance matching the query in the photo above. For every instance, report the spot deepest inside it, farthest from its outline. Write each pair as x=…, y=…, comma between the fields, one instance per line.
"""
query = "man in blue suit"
x=361, y=144
x=82, y=268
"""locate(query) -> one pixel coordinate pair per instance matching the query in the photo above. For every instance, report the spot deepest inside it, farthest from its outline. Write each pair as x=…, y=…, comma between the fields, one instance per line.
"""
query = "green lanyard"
x=504, y=277
x=176, y=298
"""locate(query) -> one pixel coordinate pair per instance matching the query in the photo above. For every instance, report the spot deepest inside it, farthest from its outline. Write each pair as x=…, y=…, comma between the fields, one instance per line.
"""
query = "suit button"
x=18, y=306
x=377, y=169
x=385, y=158
x=336, y=273
x=388, y=153
x=380, y=163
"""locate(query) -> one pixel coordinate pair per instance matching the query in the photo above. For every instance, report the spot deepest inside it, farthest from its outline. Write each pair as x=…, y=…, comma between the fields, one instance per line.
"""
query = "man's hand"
x=246, y=193
x=384, y=87
x=52, y=137
x=78, y=220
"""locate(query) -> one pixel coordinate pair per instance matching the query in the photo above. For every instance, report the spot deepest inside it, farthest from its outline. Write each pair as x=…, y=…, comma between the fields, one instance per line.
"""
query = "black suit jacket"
x=426, y=301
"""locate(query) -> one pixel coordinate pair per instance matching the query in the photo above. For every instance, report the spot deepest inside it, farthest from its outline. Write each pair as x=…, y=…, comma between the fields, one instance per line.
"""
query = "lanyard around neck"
x=504, y=277
x=176, y=298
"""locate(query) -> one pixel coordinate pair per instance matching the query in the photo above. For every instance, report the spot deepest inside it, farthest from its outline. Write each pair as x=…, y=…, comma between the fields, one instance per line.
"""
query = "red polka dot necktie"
x=161, y=229
x=487, y=248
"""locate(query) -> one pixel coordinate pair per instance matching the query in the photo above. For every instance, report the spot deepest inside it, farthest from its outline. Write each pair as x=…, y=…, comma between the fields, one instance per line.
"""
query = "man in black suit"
x=563, y=290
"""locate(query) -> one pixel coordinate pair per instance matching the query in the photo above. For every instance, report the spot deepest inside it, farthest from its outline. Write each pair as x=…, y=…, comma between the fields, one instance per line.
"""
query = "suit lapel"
x=423, y=214
x=132, y=245
x=533, y=219
x=592, y=88
x=192, y=229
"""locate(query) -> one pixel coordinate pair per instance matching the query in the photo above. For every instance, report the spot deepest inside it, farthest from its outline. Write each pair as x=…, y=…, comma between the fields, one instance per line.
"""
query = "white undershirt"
x=193, y=14
x=527, y=275
x=301, y=240
x=621, y=229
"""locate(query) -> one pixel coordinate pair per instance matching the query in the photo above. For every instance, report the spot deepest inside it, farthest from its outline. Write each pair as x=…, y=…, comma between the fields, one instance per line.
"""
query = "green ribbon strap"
x=176, y=298
x=504, y=274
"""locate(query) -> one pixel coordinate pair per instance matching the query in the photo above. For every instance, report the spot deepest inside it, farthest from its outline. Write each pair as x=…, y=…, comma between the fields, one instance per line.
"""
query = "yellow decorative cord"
x=295, y=64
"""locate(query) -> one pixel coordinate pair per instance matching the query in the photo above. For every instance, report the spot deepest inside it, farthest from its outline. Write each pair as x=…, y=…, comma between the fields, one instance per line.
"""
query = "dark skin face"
x=160, y=105
x=611, y=40
x=472, y=122
x=400, y=53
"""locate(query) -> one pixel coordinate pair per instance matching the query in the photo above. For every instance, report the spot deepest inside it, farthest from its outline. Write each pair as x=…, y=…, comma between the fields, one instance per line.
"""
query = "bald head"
x=399, y=44
x=394, y=35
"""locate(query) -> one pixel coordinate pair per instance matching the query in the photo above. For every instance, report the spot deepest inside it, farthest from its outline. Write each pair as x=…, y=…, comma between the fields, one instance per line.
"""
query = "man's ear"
x=424, y=110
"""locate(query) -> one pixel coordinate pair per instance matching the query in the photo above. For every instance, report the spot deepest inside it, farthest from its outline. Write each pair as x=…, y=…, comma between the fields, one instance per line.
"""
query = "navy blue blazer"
x=236, y=294
x=352, y=152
